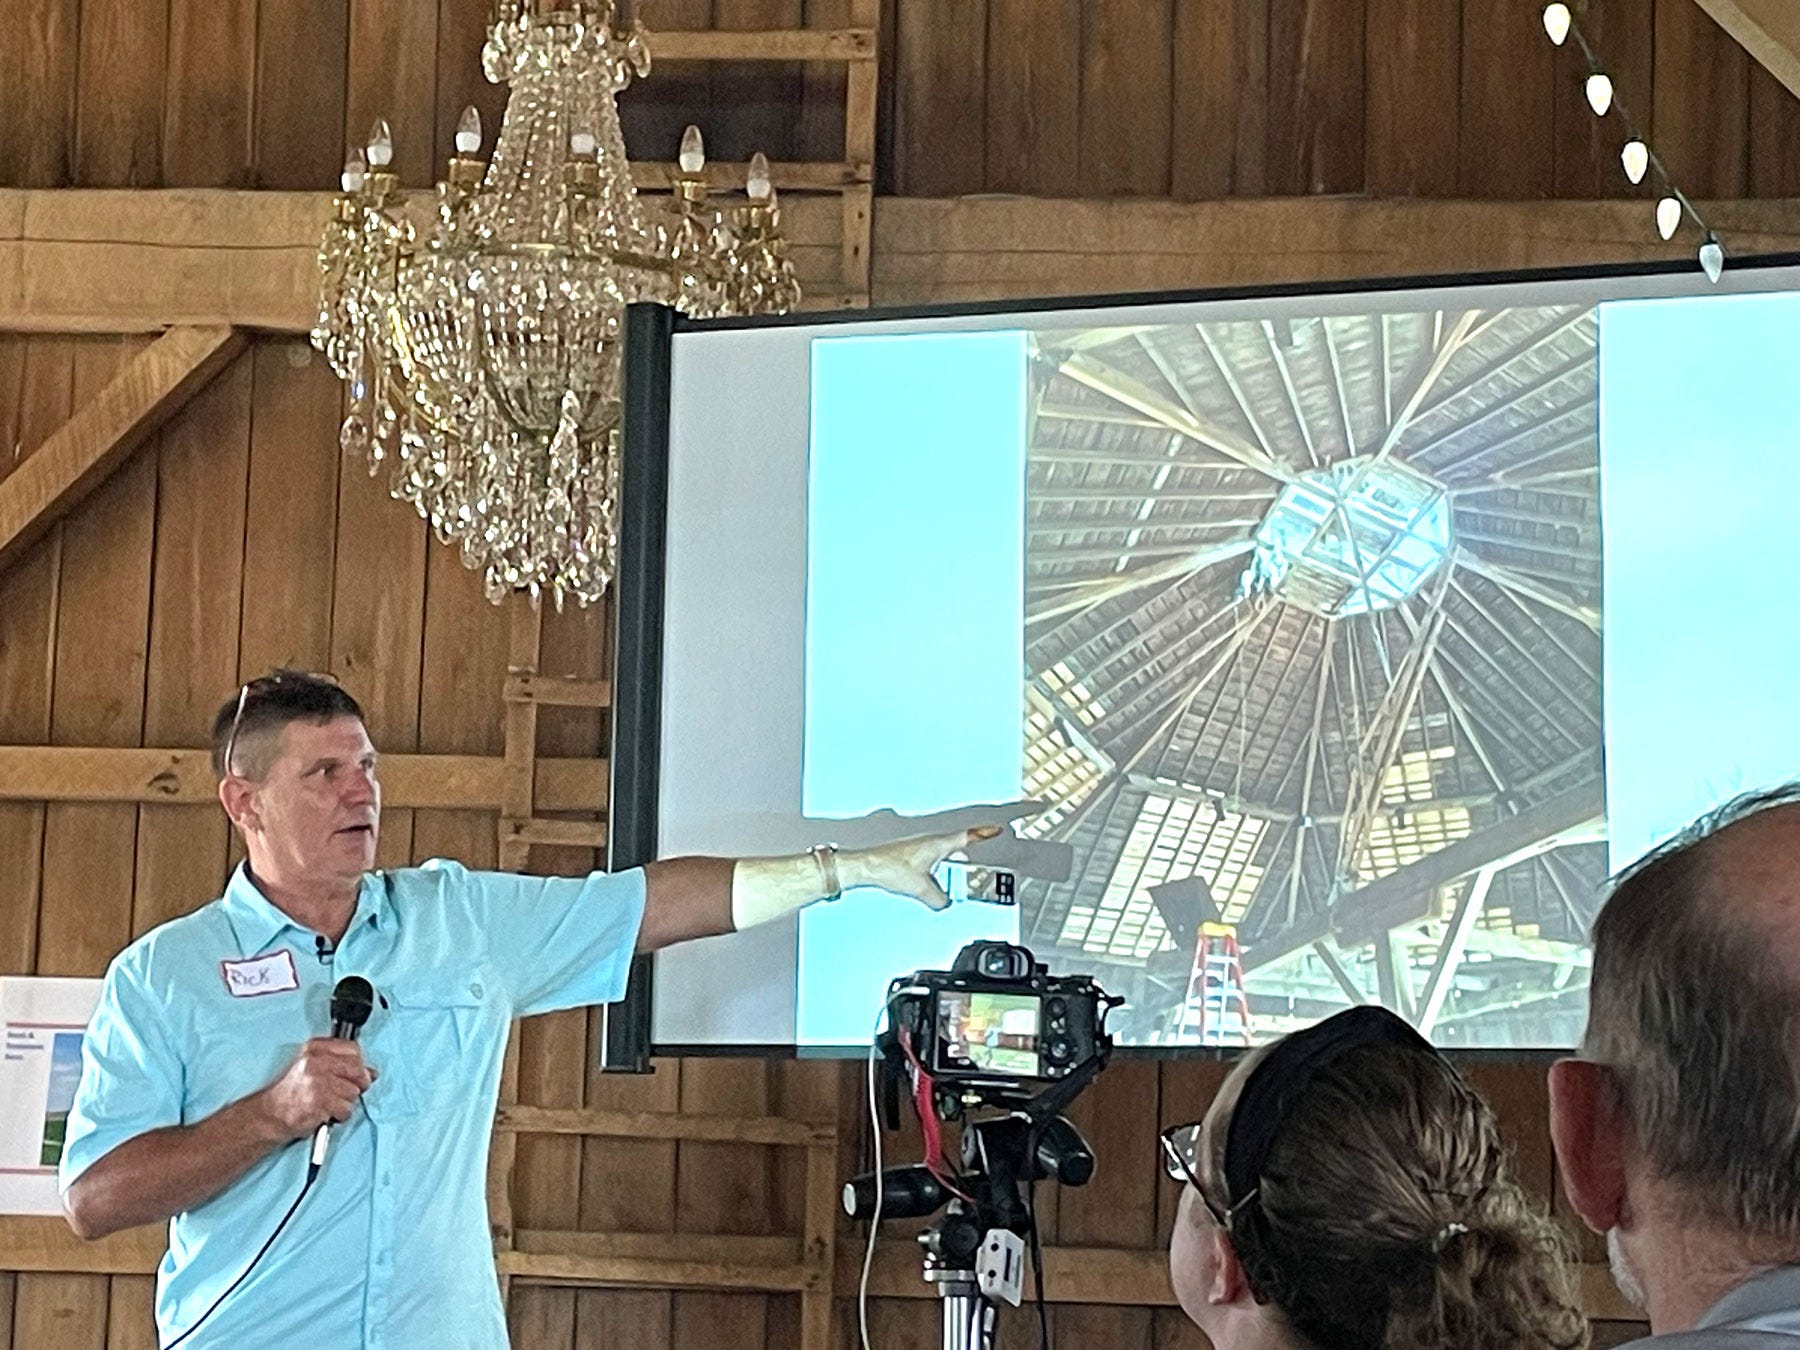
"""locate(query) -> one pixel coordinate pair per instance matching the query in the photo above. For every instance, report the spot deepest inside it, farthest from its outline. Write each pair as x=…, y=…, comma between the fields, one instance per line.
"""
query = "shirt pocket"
x=443, y=1027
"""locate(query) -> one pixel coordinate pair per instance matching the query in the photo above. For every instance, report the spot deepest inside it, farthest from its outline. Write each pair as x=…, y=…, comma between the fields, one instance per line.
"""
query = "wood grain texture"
x=106, y=428
x=120, y=83
x=1774, y=137
x=290, y=514
x=1034, y=96
x=1702, y=102
x=1220, y=132
x=377, y=622
x=1413, y=59
x=209, y=124
x=1126, y=82
x=940, y=93
x=40, y=399
x=1316, y=96
x=195, y=620
x=755, y=107
x=39, y=61
x=1508, y=100
x=300, y=114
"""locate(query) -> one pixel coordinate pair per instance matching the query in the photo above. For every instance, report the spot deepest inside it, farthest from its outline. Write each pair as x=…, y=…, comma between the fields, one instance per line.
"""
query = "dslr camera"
x=997, y=1025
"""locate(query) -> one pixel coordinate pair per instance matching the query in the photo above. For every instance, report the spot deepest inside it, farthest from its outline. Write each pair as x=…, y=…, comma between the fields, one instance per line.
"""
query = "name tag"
x=271, y=974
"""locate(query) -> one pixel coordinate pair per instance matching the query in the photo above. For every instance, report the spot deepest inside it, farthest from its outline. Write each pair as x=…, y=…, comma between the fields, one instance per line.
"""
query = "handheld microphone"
x=351, y=1003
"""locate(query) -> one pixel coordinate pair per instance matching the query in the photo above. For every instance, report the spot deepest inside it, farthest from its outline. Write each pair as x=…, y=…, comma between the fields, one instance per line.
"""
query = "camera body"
x=997, y=1020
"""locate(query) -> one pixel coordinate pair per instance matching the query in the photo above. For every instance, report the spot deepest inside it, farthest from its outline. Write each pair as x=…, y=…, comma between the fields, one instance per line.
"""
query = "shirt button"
x=475, y=989
x=387, y=1178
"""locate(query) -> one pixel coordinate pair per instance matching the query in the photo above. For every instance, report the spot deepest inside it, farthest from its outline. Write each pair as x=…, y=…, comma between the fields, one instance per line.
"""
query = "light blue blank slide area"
x=1700, y=503
x=915, y=583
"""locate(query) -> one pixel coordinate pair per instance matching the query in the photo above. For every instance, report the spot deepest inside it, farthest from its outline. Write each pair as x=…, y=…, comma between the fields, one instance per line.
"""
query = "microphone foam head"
x=352, y=1000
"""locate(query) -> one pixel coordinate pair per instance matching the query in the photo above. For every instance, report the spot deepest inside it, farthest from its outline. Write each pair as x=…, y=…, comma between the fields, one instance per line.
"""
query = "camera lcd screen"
x=988, y=1032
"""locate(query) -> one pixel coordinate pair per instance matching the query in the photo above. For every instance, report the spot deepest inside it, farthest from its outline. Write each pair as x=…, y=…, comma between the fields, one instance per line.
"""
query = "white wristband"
x=763, y=889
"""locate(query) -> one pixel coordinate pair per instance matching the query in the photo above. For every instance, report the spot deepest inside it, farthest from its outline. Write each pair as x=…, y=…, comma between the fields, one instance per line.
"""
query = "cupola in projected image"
x=1309, y=602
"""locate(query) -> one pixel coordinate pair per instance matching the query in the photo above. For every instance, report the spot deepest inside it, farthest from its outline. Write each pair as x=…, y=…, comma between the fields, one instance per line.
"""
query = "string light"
x=1557, y=21
x=1712, y=258
x=1637, y=159
x=1668, y=217
x=1599, y=92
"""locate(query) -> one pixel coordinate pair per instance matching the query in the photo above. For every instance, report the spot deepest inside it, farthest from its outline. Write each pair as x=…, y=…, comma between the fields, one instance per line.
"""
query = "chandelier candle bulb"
x=1557, y=21
x=1600, y=93
x=381, y=144
x=759, y=187
x=1636, y=159
x=1668, y=217
x=468, y=132
x=693, y=151
x=355, y=174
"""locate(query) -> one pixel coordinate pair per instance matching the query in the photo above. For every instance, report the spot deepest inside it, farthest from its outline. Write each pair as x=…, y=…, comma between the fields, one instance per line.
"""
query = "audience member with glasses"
x=1348, y=1191
x=206, y=1061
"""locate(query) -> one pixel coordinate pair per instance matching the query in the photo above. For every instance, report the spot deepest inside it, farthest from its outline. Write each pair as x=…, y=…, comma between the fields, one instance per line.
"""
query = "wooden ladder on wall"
x=803, y=1264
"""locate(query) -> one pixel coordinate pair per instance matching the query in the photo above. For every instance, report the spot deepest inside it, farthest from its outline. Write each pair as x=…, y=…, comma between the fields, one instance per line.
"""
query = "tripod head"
x=999, y=1045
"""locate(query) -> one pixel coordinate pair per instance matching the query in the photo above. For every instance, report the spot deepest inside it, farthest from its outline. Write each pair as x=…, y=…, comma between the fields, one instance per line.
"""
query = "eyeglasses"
x=1181, y=1146
x=262, y=683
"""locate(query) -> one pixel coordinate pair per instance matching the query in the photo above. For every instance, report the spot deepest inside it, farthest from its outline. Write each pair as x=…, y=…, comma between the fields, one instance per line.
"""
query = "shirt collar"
x=1773, y=1291
x=256, y=921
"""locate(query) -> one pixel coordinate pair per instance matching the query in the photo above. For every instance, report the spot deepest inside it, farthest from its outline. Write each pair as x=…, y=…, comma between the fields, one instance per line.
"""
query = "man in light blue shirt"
x=206, y=1064
x=1677, y=1129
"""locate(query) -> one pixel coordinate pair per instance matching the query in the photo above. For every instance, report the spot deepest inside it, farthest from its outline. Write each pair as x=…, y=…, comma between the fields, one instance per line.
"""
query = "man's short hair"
x=268, y=703
x=1691, y=1006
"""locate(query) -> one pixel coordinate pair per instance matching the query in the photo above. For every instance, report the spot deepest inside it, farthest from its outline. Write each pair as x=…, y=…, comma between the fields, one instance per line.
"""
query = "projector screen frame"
x=629, y=1040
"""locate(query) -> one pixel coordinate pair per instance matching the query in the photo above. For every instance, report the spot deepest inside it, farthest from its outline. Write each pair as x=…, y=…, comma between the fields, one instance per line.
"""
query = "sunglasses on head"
x=264, y=684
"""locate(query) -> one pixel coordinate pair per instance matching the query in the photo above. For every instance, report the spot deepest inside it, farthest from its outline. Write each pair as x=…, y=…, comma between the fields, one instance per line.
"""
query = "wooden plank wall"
x=1191, y=99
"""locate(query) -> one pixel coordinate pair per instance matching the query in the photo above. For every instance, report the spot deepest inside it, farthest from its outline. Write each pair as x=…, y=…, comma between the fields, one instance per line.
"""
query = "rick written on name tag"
x=271, y=974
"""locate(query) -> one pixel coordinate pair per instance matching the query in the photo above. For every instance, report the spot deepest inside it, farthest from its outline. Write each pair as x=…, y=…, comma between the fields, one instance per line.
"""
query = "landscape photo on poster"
x=41, y=1025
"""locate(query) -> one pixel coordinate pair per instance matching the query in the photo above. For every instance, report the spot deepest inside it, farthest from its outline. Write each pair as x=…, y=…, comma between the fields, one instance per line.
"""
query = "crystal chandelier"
x=482, y=345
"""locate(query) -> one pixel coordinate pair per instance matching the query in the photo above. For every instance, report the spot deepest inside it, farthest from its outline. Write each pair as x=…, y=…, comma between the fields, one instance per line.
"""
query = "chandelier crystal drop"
x=481, y=343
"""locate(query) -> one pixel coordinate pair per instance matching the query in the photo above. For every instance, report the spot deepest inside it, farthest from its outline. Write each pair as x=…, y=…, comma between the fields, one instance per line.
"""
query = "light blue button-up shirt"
x=390, y=1249
x=1762, y=1313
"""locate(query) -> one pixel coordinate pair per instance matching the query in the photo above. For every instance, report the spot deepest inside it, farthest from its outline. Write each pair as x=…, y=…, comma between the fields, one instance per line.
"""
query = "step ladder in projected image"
x=1216, y=1011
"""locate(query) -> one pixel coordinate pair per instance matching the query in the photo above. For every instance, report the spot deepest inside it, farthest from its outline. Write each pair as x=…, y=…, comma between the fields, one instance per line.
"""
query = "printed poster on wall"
x=41, y=1024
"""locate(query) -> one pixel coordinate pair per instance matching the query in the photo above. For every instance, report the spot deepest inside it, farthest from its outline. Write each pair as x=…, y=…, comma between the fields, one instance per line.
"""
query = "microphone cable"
x=351, y=1003
x=312, y=1172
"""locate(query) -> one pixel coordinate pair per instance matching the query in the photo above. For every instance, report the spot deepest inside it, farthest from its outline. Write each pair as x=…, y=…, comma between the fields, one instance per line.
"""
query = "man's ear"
x=1229, y=1283
x=1591, y=1132
x=239, y=800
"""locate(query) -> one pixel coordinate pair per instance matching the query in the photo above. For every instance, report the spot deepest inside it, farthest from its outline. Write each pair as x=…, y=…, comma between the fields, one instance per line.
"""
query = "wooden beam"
x=46, y=1244
x=1097, y=1275
x=1404, y=896
x=90, y=445
x=79, y=260
x=777, y=44
x=50, y=773
x=665, y=1125
x=1768, y=29
x=1123, y=1276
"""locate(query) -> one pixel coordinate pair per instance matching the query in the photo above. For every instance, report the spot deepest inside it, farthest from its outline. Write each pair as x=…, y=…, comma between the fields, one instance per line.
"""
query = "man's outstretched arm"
x=686, y=898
